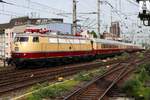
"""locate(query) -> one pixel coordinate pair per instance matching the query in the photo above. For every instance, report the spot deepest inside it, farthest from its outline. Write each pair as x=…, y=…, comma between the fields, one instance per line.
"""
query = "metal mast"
x=98, y=17
x=74, y=17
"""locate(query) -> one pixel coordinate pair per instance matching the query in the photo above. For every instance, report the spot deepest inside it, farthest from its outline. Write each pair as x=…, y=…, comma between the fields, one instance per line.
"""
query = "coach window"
x=35, y=39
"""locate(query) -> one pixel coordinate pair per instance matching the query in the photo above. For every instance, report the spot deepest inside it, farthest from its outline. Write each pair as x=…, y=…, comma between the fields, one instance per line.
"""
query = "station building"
x=110, y=36
x=115, y=29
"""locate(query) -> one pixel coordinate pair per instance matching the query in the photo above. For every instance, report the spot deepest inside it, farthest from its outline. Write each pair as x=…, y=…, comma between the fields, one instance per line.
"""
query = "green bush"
x=52, y=91
x=143, y=94
x=58, y=89
x=143, y=75
x=83, y=77
x=147, y=68
x=141, y=55
x=38, y=86
x=87, y=76
x=34, y=97
x=146, y=93
x=136, y=86
x=124, y=56
x=131, y=87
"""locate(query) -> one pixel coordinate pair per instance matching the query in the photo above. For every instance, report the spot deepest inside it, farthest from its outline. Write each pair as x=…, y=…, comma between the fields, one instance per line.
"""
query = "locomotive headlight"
x=16, y=49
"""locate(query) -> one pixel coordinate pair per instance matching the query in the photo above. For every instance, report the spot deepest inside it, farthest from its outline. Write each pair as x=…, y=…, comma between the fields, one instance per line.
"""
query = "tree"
x=94, y=34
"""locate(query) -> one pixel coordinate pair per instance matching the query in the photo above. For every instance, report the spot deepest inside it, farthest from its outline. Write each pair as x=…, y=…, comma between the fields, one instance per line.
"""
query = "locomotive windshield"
x=21, y=39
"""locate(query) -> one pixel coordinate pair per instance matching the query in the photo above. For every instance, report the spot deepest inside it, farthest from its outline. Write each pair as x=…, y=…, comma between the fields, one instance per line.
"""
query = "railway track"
x=15, y=79
x=98, y=88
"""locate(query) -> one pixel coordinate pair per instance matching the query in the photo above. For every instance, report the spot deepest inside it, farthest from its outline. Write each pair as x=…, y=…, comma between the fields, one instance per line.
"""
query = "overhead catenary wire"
x=122, y=16
x=36, y=9
x=15, y=13
x=9, y=14
x=1, y=1
x=90, y=23
x=28, y=7
x=53, y=11
x=133, y=2
x=43, y=5
x=82, y=17
x=119, y=13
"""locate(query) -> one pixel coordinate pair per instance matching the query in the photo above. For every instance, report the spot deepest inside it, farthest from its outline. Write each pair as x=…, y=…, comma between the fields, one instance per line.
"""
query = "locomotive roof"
x=51, y=35
x=77, y=37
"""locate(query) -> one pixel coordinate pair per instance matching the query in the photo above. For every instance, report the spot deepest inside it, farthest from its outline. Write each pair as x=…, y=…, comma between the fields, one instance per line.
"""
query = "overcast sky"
x=51, y=8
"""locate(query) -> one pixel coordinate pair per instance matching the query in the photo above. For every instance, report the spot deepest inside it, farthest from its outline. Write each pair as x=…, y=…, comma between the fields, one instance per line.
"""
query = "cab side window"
x=35, y=39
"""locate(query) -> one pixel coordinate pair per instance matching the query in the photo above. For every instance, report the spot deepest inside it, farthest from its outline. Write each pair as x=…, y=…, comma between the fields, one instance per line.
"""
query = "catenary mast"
x=98, y=17
x=74, y=26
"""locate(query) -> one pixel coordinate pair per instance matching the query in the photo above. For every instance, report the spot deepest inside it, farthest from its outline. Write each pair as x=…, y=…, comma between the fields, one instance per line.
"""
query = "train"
x=38, y=48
